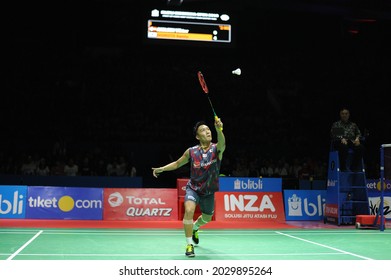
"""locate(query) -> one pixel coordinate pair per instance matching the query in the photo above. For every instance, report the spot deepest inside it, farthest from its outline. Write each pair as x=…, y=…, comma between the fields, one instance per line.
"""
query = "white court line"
x=205, y=232
x=24, y=245
x=266, y=231
x=18, y=232
x=322, y=245
x=199, y=254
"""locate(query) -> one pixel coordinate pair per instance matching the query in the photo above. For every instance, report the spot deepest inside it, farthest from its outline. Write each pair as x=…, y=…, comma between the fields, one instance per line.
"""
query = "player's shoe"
x=190, y=250
x=195, y=238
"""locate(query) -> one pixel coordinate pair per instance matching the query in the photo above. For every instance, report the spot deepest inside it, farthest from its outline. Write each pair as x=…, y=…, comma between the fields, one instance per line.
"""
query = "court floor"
x=215, y=244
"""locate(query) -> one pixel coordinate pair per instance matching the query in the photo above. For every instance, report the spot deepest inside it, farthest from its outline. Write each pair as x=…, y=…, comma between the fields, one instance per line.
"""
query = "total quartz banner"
x=140, y=204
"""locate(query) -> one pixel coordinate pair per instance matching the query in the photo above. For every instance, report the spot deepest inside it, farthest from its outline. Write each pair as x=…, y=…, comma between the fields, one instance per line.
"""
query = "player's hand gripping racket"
x=206, y=91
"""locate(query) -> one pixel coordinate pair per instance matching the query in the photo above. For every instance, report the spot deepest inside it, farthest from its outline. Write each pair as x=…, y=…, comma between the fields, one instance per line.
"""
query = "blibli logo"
x=296, y=206
x=249, y=185
x=331, y=183
x=294, y=203
x=13, y=206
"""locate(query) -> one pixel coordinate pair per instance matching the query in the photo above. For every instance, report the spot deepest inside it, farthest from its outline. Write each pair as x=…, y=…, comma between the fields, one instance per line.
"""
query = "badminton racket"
x=205, y=88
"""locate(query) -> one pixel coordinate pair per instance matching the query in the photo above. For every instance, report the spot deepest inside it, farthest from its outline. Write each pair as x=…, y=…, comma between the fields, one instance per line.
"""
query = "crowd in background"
x=111, y=110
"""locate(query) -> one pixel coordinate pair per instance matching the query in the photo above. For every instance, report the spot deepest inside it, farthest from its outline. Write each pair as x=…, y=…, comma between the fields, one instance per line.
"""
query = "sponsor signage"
x=250, y=184
x=331, y=210
x=374, y=206
x=249, y=206
x=64, y=203
x=239, y=184
x=374, y=197
x=304, y=204
x=140, y=204
x=13, y=202
x=181, y=186
x=374, y=187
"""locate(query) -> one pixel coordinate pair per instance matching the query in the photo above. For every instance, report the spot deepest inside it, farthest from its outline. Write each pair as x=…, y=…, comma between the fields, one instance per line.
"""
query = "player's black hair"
x=197, y=125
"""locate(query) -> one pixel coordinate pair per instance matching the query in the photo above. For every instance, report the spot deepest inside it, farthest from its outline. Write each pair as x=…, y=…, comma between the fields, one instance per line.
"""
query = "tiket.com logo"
x=115, y=199
x=376, y=185
x=386, y=187
x=65, y=203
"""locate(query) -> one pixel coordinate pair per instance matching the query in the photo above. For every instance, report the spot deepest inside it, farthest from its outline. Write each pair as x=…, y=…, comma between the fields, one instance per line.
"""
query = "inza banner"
x=249, y=206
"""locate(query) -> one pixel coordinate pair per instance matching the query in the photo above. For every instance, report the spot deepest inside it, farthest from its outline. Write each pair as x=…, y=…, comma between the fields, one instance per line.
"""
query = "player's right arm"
x=220, y=137
x=173, y=165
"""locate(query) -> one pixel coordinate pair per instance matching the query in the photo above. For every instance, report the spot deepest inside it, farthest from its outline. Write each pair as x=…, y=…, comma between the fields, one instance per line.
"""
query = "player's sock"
x=198, y=223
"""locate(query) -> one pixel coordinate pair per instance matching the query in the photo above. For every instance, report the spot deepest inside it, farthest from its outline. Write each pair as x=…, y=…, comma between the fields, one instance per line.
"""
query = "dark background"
x=80, y=73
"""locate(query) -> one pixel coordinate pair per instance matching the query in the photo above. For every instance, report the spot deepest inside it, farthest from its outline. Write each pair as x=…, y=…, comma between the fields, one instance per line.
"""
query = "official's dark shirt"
x=348, y=130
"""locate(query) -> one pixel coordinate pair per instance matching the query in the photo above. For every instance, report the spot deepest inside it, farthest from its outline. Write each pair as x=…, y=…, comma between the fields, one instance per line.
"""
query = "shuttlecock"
x=237, y=72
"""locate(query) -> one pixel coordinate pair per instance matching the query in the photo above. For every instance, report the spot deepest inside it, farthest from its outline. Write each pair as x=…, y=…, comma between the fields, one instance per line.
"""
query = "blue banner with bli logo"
x=250, y=184
x=304, y=205
x=13, y=202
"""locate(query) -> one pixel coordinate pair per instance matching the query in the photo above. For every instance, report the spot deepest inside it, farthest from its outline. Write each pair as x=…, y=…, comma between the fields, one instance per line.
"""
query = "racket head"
x=202, y=81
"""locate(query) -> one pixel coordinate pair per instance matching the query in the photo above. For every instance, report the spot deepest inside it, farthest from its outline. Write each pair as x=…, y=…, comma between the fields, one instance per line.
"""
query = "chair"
x=349, y=159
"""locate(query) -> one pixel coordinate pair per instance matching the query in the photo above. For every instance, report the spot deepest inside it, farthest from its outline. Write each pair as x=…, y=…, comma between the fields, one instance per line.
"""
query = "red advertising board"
x=249, y=206
x=331, y=210
x=140, y=204
x=181, y=186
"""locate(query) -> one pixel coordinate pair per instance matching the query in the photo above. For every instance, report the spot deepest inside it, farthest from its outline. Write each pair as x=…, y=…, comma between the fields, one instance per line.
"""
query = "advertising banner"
x=140, y=204
x=239, y=184
x=13, y=202
x=331, y=206
x=374, y=197
x=181, y=186
x=304, y=205
x=331, y=210
x=250, y=184
x=71, y=203
x=249, y=206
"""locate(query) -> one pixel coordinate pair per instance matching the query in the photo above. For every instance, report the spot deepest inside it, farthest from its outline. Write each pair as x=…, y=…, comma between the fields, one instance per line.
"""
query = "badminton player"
x=205, y=161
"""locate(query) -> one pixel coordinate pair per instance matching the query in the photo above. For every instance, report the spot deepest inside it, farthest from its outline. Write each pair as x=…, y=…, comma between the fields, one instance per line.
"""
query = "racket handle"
x=216, y=118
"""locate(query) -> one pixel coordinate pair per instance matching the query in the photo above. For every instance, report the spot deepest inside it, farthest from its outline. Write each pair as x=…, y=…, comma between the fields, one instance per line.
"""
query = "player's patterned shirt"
x=204, y=169
x=348, y=130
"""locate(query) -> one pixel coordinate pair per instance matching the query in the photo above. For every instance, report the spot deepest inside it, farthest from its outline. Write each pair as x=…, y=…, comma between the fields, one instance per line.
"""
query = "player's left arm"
x=220, y=138
x=173, y=165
